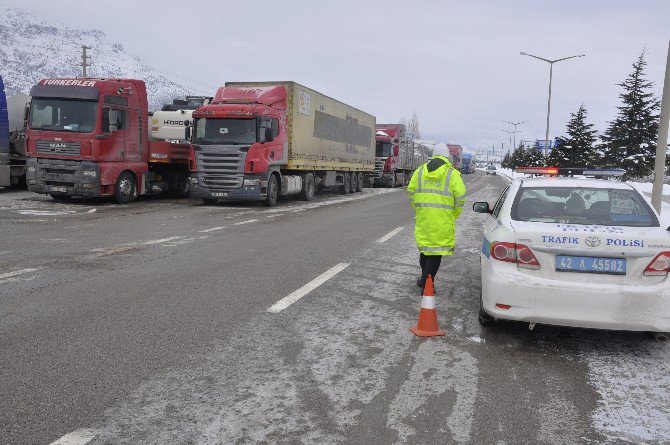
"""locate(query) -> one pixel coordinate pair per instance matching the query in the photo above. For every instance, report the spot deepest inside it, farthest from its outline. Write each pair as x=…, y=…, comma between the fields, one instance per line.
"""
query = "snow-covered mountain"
x=32, y=49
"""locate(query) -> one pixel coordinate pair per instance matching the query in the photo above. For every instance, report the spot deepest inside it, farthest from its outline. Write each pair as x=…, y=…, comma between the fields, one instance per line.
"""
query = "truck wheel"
x=272, y=191
x=182, y=185
x=359, y=183
x=307, y=193
x=354, y=182
x=125, y=190
x=61, y=198
x=346, y=184
x=209, y=201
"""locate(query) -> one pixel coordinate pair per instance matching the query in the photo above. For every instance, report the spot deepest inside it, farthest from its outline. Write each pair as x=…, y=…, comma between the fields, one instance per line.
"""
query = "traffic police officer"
x=437, y=194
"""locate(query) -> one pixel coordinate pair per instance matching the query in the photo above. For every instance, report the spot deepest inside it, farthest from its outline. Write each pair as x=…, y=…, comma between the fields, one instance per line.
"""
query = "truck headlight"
x=194, y=180
x=90, y=173
x=252, y=182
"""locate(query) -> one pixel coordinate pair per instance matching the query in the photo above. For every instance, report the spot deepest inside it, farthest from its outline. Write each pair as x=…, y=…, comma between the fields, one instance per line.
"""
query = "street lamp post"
x=551, y=71
x=515, y=131
x=510, y=138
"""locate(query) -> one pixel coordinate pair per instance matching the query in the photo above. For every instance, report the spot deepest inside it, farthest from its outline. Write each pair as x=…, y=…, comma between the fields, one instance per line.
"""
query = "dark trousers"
x=430, y=264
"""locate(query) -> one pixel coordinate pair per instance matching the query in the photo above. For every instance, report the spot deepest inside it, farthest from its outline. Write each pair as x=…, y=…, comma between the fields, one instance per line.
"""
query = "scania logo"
x=592, y=241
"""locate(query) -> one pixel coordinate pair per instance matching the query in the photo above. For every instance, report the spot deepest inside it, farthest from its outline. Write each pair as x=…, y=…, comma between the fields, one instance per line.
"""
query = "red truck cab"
x=89, y=137
x=237, y=142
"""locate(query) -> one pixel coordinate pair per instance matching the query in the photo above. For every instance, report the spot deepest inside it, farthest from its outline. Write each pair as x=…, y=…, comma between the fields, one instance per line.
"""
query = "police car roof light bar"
x=555, y=171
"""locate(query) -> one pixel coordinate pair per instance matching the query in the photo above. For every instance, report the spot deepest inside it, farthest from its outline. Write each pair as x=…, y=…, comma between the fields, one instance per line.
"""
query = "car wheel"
x=484, y=318
x=125, y=190
x=272, y=191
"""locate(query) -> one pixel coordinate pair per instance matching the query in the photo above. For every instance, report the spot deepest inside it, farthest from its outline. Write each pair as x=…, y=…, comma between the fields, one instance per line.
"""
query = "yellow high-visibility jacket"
x=438, y=198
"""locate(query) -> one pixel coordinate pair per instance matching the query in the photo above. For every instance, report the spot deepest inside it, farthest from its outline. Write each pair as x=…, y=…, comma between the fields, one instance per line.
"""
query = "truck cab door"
x=132, y=136
x=269, y=134
x=112, y=126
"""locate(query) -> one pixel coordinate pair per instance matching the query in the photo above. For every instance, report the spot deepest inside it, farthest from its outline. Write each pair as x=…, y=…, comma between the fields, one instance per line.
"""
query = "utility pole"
x=85, y=59
x=662, y=142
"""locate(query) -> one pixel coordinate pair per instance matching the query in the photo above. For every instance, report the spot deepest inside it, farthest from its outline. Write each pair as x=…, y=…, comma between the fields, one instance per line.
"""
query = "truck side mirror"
x=113, y=117
x=187, y=133
x=26, y=114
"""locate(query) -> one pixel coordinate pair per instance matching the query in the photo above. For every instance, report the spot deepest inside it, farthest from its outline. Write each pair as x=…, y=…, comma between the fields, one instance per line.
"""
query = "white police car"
x=577, y=252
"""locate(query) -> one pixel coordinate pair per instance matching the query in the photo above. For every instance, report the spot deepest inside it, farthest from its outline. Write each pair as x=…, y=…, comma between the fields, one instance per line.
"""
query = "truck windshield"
x=56, y=114
x=225, y=131
x=383, y=149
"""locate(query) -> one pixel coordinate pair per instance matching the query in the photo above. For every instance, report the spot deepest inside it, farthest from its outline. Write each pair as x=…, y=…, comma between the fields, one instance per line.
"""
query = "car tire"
x=125, y=189
x=182, y=185
x=307, y=193
x=209, y=201
x=272, y=191
x=484, y=318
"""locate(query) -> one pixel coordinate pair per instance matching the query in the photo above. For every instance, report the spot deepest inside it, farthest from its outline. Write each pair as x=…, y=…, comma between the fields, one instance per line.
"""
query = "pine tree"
x=517, y=158
x=533, y=156
x=630, y=140
x=506, y=161
x=578, y=149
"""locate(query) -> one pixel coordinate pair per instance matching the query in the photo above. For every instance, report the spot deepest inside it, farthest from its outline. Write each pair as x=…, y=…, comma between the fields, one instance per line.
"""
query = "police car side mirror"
x=481, y=207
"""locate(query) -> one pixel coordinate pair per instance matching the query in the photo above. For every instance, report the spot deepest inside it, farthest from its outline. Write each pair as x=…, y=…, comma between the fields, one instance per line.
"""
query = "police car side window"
x=499, y=203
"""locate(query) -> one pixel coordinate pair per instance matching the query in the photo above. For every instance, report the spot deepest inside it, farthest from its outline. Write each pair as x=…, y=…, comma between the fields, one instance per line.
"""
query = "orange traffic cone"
x=427, y=325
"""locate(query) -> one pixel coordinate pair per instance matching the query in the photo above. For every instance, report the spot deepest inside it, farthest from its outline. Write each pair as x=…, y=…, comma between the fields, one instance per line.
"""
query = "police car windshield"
x=578, y=205
x=56, y=114
x=225, y=131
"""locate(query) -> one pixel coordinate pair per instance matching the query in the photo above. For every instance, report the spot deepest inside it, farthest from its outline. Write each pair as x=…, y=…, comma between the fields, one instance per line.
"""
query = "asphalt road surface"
x=148, y=323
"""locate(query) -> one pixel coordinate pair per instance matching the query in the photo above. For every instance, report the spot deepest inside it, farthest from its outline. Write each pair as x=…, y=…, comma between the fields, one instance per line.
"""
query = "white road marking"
x=83, y=436
x=160, y=241
x=390, y=235
x=275, y=215
x=15, y=273
x=113, y=251
x=307, y=288
x=245, y=222
x=45, y=212
x=213, y=229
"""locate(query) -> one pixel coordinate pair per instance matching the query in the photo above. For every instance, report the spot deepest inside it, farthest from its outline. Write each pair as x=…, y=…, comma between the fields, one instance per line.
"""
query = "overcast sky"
x=457, y=64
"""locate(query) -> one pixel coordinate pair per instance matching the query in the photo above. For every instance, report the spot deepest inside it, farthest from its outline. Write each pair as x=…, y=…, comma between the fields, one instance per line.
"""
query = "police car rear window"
x=578, y=205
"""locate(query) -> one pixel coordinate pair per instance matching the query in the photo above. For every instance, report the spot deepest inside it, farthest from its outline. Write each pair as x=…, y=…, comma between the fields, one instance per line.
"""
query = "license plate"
x=220, y=195
x=587, y=264
x=58, y=189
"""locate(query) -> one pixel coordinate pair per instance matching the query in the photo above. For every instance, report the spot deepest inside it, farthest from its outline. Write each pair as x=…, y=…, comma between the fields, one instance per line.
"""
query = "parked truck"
x=257, y=141
x=467, y=163
x=395, y=157
x=12, y=142
x=455, y=155
x=88, y=137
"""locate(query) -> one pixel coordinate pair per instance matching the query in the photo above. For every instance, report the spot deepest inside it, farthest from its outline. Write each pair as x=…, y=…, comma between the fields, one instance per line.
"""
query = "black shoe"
x=420, y=282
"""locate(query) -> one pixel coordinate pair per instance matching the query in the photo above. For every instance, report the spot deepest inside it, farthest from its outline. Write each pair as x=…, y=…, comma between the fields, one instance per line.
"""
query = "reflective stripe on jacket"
x=438, y=198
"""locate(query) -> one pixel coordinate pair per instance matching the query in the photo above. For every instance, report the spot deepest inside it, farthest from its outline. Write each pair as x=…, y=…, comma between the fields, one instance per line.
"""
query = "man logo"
x=592, y=241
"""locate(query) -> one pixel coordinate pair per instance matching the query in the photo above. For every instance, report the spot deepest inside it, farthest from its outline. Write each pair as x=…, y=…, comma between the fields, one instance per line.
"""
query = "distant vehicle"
x=12, y=139
x=88, y=137
x=395, y=159
x=455, y=154
x=491, y=169
x=257, y=141
x=170, y=122
x=467, y=163
x=577, y=252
